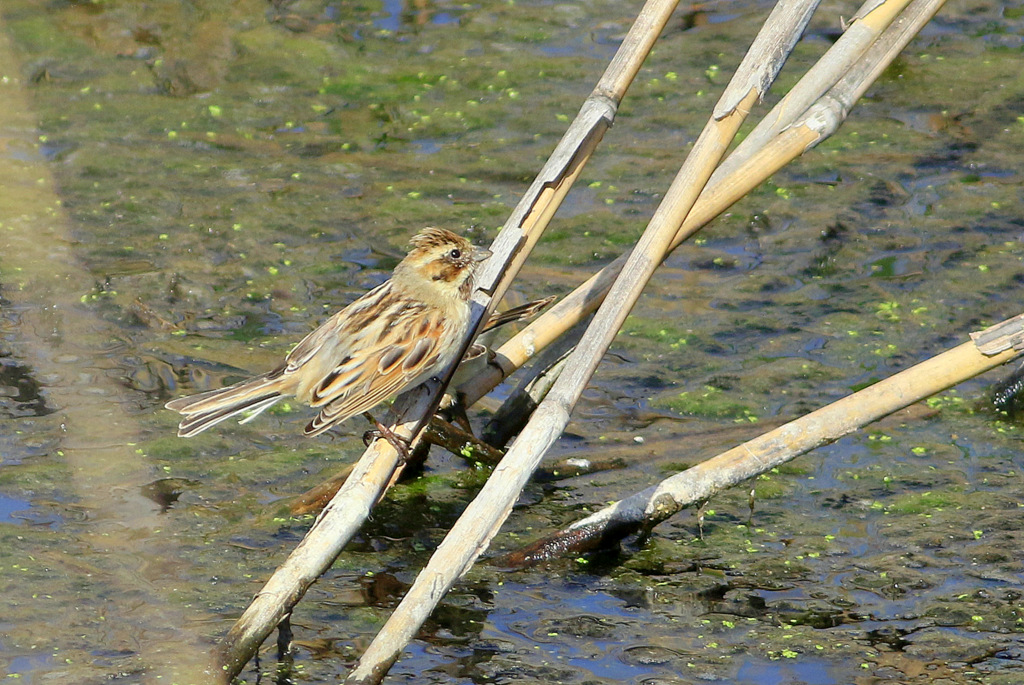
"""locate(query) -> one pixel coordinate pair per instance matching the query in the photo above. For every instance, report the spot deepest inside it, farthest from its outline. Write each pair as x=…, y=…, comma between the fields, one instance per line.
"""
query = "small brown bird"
x=393, y=338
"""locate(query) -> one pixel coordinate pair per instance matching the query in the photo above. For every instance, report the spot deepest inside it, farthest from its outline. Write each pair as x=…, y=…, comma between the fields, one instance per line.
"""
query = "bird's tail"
x=210, y=408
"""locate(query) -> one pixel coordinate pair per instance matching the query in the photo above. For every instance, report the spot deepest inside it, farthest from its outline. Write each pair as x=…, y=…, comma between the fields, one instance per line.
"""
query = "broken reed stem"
x=865, y=27
x=473, y=531
x=309, y=559
x=650, y=507
x=376, y=468
x=749, y=171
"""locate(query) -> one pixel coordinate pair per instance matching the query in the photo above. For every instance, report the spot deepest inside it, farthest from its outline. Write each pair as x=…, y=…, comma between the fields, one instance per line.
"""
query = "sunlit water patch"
x=9, y=506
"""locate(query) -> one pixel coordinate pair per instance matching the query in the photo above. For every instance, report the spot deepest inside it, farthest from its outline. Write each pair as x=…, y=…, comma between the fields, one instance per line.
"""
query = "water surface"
x=189, y=187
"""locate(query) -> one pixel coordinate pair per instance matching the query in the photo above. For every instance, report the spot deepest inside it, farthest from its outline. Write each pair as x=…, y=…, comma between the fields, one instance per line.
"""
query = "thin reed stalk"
x=644, y=510
x=861, y=33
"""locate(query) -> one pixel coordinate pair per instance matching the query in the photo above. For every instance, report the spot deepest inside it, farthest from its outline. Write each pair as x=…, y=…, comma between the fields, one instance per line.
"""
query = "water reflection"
x=797, y=669
x=20, y=392
x=9, y=506
x=402, y=13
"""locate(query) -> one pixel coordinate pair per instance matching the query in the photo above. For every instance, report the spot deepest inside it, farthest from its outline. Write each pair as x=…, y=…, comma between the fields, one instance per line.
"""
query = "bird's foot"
x=400, y=444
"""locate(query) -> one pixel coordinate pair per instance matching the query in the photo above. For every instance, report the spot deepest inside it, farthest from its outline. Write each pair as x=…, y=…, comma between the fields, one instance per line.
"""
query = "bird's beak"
x=480, y=255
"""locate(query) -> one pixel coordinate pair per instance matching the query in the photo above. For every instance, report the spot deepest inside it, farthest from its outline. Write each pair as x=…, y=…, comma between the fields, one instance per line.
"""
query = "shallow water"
x=189, y=187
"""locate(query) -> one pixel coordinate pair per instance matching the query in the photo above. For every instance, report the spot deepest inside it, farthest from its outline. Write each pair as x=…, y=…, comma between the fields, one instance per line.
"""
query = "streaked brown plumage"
x=391, y=339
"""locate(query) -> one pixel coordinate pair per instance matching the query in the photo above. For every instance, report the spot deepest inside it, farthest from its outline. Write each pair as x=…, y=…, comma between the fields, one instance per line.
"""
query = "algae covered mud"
x=189, y=188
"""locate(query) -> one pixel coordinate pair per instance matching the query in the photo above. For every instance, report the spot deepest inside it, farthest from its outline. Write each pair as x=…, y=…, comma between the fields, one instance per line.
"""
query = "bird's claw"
x=401, y=445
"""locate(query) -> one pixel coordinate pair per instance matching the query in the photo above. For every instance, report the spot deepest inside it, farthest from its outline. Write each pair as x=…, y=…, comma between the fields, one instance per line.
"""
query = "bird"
x=393, y=338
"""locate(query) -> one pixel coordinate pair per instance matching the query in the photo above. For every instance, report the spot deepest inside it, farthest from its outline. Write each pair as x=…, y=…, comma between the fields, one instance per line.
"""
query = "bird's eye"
x=455, y=253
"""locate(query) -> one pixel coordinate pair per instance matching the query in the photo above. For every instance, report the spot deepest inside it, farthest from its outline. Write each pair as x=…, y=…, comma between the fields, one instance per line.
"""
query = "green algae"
x=709, y=402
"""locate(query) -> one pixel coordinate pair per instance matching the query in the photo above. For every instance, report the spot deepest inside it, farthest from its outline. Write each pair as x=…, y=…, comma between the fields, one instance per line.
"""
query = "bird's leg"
x=400, y=444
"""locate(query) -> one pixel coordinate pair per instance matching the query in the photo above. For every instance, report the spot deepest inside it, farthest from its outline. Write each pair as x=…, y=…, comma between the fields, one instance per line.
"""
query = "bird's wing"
x=351, y=318
x=396, y=350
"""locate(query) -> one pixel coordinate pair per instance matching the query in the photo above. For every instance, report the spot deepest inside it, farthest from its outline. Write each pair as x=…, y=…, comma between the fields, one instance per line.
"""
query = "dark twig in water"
x=460, y=442
x=316, y=498
x=1006, y=394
